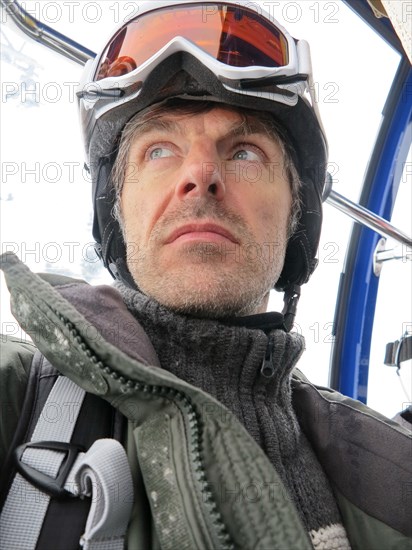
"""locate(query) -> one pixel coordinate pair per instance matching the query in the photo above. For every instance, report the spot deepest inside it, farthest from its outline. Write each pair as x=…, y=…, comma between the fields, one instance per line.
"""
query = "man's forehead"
x=232, y=122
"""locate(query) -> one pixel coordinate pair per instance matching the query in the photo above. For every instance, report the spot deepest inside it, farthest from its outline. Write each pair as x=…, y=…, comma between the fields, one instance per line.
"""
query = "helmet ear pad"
x=300, y=259
x=110, y=246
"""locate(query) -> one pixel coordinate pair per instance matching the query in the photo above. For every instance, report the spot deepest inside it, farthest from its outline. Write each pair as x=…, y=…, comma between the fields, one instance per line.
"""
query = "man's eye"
x=160, y=152
x=246, y=154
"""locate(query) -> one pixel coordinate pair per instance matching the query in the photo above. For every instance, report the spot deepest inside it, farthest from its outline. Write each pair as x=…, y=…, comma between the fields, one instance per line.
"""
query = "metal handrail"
x=44, y=34
x=367, y=218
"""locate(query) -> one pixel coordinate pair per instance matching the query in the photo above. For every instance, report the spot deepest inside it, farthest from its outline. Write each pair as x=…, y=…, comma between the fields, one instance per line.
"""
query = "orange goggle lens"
x=233, y=35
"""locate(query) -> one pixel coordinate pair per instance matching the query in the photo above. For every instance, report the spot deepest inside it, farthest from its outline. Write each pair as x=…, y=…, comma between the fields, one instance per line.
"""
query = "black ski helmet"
x=109, y=98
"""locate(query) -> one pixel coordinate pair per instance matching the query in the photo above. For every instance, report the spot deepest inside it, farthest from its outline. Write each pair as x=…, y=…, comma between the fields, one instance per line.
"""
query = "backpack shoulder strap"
x=42, y=377
x=65, y=519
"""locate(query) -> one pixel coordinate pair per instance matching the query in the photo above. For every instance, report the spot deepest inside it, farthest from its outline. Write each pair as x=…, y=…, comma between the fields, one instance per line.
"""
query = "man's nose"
x=201, y=174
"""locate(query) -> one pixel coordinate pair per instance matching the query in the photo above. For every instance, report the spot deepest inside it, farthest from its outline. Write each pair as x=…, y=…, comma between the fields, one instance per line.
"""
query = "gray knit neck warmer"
x=226, y=362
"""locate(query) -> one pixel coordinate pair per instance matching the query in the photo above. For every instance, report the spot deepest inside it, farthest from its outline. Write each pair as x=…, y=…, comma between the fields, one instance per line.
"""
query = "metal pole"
x=366, y=217
x=44, y=34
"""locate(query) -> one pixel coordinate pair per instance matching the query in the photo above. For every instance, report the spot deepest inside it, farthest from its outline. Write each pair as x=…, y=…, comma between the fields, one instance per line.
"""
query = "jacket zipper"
x=195, y=447
x=267, y=369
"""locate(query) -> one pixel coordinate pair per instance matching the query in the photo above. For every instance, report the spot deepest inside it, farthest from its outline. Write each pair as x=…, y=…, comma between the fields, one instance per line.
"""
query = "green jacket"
x=209, y=453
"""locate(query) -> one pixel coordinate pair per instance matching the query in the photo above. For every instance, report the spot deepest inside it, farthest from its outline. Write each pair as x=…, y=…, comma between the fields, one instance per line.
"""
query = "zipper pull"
x=267, y=369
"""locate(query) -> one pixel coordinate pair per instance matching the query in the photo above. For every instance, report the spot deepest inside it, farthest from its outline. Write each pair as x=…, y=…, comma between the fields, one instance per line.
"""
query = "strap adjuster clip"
x=393, y=357
x=52, y=486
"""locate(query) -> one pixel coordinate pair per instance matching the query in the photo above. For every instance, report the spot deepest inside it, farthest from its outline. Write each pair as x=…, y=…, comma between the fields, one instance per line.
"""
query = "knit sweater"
x=225, y=360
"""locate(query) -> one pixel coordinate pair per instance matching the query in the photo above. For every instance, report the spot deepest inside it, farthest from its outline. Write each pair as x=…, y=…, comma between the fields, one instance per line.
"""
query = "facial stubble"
x=208, y=280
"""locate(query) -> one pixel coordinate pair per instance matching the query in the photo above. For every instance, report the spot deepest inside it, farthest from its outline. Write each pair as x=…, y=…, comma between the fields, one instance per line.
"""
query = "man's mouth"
x=205, y=232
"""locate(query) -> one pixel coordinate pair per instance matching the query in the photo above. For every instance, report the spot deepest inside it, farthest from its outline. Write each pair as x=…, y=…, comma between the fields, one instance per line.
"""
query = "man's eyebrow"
x=246, y=128
x=158, y=124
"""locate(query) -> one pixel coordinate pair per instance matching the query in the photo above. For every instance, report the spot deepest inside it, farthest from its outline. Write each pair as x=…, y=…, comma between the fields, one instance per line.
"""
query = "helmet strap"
x=290, y=300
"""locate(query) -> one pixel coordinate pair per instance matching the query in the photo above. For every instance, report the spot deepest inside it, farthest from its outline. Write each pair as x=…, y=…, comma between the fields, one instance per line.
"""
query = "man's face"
x=205, y=208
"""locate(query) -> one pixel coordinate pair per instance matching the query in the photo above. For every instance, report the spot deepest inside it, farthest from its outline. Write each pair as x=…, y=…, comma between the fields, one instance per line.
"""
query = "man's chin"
x=199, y=253
x=207, y=298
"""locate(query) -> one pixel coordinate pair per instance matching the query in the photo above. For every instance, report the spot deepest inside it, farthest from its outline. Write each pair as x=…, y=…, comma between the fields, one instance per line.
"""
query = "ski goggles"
x=235, y=42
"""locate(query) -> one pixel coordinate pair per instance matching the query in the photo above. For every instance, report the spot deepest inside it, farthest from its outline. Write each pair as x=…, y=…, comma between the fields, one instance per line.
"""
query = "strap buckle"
x=52, y=486
x=399, y=351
